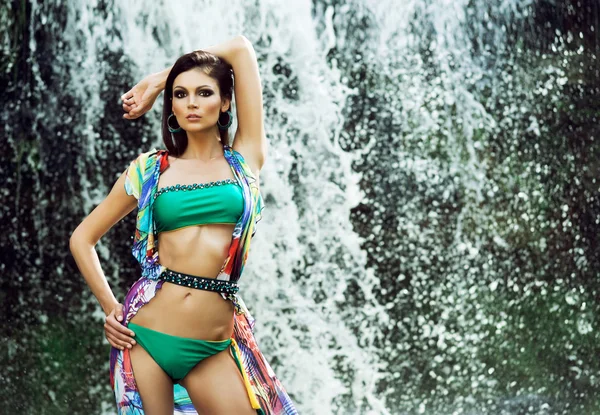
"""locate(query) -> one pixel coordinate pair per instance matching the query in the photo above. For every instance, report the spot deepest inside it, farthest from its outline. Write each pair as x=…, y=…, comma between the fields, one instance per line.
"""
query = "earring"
x=171, y=129
x=225, y=126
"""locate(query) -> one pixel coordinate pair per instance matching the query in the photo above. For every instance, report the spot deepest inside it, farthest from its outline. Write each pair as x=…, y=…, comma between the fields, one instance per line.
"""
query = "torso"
x=197, y=250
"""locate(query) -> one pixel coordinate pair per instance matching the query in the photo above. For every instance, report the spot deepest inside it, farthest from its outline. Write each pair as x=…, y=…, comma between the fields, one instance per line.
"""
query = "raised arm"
x=250, y=139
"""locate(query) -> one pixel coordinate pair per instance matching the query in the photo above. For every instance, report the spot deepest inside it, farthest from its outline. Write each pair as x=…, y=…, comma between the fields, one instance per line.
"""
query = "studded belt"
x=201, y=283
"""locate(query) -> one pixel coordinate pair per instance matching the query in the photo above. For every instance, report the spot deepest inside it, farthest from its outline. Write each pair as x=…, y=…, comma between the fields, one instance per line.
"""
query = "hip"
x=187, y=312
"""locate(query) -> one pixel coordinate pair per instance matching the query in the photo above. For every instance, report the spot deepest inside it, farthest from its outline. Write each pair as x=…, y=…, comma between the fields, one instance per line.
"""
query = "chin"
x=196, y=127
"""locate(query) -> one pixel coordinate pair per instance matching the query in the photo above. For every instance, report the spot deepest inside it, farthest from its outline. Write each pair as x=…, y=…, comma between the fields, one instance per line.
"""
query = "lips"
x=192, y=117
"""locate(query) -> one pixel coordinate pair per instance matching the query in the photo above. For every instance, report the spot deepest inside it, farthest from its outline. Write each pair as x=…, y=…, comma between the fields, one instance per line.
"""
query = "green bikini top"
x=184, y=205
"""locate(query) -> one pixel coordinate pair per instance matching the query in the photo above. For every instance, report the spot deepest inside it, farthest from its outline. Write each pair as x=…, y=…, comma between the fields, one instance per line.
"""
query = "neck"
x=203, y=145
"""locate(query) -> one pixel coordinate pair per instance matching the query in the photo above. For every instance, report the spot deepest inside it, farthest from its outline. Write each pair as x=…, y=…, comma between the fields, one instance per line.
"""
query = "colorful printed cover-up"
x=265, y=391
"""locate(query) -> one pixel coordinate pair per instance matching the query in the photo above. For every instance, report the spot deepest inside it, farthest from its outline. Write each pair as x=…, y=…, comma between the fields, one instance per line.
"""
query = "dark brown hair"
x=215, y=67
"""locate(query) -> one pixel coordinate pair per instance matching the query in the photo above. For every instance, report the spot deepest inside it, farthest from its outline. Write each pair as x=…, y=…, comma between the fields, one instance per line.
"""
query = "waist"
x=199, y=282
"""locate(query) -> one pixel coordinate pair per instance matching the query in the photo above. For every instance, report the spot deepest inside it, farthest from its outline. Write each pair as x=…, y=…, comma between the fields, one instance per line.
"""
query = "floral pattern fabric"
x=265, y=391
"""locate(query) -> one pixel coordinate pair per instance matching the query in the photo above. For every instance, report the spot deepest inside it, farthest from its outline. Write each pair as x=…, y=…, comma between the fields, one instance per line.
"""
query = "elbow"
x=73, y=240
x=76, y=240
x=243, y=39
x=244, y=43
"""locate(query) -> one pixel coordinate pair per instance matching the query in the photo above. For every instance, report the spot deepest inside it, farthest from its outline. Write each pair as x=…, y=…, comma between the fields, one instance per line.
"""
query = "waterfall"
x=429, y=243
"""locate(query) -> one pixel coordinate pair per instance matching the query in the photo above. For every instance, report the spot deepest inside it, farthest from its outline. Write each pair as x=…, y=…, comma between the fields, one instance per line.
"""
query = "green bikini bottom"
x=176, y=355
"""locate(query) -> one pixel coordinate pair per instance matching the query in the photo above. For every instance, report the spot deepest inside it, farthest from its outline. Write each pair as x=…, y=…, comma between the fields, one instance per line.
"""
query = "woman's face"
x=194, y=92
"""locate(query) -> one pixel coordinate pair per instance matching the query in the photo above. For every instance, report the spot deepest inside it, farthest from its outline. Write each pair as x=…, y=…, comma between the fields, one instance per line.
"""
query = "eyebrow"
x=182, y=87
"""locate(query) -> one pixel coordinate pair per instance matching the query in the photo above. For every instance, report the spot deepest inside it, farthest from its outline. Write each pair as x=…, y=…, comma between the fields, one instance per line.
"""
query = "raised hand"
x=139, y=99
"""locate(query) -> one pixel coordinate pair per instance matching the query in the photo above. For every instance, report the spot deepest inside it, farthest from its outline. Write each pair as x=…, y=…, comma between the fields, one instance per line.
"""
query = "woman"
x=191, y=349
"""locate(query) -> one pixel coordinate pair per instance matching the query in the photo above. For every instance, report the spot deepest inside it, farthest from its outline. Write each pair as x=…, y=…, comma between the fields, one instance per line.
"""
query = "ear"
x=226, y=105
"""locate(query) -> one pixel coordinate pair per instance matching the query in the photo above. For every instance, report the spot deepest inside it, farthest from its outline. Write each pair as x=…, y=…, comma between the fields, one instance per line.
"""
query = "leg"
x=216, y=386
x=155, y=386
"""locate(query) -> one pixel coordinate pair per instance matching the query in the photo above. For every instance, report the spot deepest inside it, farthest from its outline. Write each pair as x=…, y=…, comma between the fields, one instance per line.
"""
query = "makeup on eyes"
x=209, y=92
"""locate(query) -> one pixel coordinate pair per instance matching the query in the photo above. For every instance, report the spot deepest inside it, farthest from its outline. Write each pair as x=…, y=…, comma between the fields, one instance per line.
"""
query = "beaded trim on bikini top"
x=193, y=186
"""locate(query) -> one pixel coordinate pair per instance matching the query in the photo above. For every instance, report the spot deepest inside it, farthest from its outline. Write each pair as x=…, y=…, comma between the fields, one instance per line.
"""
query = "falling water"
x=428, y=243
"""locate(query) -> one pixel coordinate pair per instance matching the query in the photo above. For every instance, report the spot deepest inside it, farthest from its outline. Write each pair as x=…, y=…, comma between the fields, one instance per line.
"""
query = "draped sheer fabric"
x=264, y=389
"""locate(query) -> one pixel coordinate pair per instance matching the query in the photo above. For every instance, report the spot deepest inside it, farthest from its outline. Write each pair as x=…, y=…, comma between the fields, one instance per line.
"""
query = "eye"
x=204, y=93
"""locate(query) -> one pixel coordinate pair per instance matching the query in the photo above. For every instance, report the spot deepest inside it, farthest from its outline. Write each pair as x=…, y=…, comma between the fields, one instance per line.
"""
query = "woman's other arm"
x=250, y=139
x=83, y=240
x=85, y=237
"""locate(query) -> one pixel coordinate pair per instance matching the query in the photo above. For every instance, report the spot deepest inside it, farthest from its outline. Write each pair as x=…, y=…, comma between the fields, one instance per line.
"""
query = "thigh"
x=216, y=386
x=154, y=385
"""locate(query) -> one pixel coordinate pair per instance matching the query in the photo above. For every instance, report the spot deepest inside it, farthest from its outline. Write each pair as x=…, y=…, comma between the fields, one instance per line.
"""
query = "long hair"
x=215, y=67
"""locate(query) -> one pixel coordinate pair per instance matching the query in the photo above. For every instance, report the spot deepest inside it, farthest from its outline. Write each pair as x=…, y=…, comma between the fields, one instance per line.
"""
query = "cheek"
x=178, y=106
x=213, y=105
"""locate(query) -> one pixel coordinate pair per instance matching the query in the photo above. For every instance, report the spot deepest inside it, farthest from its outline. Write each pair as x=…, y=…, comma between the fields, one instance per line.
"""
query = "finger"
x=118, y=334
x=124, y=332
x=132, y=114
x=119, y=313
x=112, y=331
x=118, y=343
x=113, y=343
x=116, y=325
x=120, y=339
x=128, y=108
